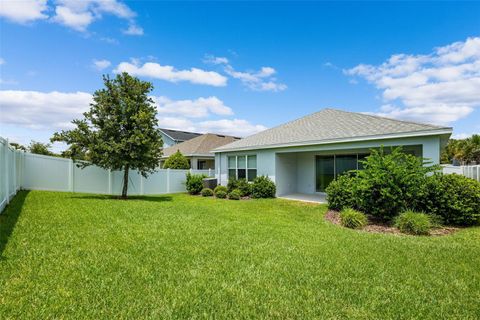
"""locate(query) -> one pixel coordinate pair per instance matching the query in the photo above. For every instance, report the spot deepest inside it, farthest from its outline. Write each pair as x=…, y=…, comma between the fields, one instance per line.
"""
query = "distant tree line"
x=462, y=151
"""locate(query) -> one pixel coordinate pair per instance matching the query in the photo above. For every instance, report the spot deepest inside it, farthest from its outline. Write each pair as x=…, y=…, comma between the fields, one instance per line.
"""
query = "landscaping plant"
x=221, y=194
x=263, y=187
x=341, y=192
x=176, y=161
x=220, y=188
x=411, y=222
x=353, y=219
x=244, y=187
x=235, y=195
x=194, y=183
x=455, y=198
x=120, y=131
x=206, y=192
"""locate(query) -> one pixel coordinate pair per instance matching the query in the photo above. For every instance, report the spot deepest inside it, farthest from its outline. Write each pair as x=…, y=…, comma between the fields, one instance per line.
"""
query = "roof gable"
x=329, y=125
x=201, y=145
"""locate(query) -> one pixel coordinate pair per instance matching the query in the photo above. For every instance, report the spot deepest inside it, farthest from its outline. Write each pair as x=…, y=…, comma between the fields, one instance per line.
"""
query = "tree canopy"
x=40, y=148
x=176, y=161
x=463, y=150
x=119, y=132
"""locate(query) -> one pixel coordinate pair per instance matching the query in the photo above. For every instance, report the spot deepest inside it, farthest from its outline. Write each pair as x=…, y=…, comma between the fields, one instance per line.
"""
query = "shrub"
x=194, y=183
x=412, y=222
x=455, y=198
x=221, y=194
x=234, y=195
x=232, y=184
x=263, y=187
x=207, y=192
x=220, y=188
x=341, y=192
x=391, y=183
x=244, y=187
x=176, y=161
x=353, y=219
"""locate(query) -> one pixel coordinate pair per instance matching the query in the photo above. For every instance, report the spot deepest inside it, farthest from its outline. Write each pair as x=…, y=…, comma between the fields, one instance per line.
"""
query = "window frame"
x=247, y=167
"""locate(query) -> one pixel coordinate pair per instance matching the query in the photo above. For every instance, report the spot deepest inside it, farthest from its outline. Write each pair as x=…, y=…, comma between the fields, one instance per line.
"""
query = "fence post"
x=168, y=180
x=70, y=175
x=110, y=181
x=5, y=157
x=141, y=185
x=209, y=172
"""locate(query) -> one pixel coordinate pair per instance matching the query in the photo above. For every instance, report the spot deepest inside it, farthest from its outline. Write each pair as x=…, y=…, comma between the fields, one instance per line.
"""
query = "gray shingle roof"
x=180, y=136
x=201, y=145
x=329, y=125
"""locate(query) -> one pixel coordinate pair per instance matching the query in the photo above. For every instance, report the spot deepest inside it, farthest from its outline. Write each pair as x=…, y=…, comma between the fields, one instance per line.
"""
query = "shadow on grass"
x=9, y=218
x=158, y=198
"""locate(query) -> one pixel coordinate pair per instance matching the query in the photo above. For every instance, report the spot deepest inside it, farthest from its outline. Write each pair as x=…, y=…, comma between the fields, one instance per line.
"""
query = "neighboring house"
x=199, y=150
x=173, y=137
x=305, y=155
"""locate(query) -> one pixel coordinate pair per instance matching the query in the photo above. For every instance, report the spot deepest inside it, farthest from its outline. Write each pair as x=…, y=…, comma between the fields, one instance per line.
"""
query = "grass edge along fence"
x=23, y=170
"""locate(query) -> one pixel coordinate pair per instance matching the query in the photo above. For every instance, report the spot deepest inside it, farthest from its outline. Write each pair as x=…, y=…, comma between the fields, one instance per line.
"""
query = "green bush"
x=341, y=192
x=176, y=161
x=244, y=187
x=234, y=195
x=263, y=187
x=207, y=192
x=220, y=188
x=391, y=183
x=194, y=183
x=412, y=222
x=353, y=219
x=232, y=184
x=453, y=197
x=221, y=194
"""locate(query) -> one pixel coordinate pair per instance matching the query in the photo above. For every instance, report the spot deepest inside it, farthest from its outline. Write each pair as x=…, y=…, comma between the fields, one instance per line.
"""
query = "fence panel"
x=91, y=179
x=46, y=173
x=472, y=172
x=10, y=167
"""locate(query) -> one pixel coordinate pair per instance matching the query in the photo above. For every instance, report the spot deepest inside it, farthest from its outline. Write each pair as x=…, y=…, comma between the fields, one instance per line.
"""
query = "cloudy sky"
x=238, y=68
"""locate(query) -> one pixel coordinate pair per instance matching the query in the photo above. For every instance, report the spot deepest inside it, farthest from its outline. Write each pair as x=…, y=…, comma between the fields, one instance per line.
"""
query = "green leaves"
x=176, y=161
x=120, y=129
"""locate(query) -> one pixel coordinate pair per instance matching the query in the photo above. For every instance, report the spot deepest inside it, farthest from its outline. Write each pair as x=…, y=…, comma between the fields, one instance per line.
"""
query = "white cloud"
x=441, y=87
x=2, y=61
x=198, y=108
x=55, y=111
x=461, y=135
x=261, y=80
x=169, y=73
x=77, y=20
x=42, y=110
x=23, y=11
x=133, y=30
x=215, y=60
x=101, y=64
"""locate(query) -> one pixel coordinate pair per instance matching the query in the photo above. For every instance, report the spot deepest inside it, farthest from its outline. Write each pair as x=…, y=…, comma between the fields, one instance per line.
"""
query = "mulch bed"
x=377, y=226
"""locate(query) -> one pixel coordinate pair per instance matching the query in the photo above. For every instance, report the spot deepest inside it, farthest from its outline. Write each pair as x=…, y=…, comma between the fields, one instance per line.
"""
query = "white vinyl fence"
x=472, y=172
x=29, y=171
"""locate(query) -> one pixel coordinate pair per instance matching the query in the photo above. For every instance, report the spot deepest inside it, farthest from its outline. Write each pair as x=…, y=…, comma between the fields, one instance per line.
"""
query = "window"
x=242, y=167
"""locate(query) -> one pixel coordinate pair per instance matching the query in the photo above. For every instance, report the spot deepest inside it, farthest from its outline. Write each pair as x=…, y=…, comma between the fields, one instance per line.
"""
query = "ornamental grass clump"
x=416, y=223
x=353, y=219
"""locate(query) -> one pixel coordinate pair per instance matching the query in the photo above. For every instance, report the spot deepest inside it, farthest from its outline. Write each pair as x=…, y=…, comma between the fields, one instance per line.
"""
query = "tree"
x=18, y=146
x=40, y=148
x=176, y=161
x=464, y=150
x=120, y=130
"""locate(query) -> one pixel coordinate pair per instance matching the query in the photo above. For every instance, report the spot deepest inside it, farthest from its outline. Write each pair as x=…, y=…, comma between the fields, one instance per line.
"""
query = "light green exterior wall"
x=293, y=168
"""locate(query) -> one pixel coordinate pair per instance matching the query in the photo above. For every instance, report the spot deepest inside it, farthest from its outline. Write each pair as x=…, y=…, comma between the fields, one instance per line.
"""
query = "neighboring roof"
x=330, y=126
x=180, y=136
x=202, y=145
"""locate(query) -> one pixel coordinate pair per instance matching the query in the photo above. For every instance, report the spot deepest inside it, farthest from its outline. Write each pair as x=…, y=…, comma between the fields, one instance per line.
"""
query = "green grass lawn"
x=78, y=256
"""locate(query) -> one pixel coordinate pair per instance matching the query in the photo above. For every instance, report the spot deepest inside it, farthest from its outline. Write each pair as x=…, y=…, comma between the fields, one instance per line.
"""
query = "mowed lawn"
x=67, y=255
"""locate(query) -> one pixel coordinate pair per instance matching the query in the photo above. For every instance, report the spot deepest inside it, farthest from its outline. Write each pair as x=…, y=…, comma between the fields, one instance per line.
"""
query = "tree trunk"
x=125, y=182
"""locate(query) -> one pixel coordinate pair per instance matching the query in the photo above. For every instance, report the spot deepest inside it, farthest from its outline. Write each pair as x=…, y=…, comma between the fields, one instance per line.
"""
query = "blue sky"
x=238, y=68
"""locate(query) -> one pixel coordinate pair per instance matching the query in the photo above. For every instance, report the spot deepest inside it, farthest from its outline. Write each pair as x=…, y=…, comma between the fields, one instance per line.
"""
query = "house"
x=303, y=156
x=199, y=150
x=173, y=137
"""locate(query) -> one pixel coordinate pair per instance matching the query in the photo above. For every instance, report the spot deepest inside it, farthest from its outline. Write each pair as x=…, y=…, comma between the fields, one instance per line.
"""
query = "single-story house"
x=173, y=137
x=199, y=150
x=303, y=156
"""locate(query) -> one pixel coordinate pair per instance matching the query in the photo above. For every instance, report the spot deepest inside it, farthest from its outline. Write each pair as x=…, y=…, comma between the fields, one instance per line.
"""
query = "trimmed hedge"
x=221, y=194
x=207, y=192
x=234, y=195
x=220, y=188
x=341, y=192
x=263, y=187
x=194, y=183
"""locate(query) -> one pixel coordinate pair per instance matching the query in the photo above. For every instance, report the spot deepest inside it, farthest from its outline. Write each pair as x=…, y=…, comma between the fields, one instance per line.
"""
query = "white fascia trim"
x=343, y=140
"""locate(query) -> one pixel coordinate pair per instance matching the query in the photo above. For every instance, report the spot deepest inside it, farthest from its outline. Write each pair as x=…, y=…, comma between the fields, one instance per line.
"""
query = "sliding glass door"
x=325, y=171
